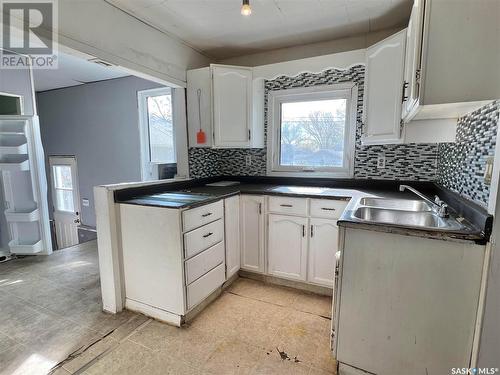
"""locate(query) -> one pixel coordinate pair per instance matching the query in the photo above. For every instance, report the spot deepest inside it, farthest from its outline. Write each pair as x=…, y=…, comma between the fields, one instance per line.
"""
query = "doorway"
x=65, y=199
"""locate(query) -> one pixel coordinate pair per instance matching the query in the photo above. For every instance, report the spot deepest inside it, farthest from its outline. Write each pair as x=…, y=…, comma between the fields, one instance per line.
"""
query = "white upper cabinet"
x=413, y=59
x=287, y=246
x=220, y=103
x=383, y=90
x=232, y=98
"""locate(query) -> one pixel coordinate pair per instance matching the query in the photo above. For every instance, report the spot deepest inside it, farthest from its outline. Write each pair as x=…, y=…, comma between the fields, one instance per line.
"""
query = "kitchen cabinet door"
x=232, y=101
x=383, y=90
x=413, y=61
x=323, y=245
x=287, y=246
x=232, y=227
x=252, y=232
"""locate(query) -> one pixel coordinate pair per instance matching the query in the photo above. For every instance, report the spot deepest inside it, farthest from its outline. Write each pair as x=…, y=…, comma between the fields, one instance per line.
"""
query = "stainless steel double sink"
x=403, y=212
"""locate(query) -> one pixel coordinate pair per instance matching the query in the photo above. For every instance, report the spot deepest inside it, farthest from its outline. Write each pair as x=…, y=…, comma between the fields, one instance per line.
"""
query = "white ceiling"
x=217, y=28
x=73, y=71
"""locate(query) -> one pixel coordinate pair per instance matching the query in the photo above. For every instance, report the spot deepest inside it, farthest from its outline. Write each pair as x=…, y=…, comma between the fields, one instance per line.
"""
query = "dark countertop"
x=478, y=222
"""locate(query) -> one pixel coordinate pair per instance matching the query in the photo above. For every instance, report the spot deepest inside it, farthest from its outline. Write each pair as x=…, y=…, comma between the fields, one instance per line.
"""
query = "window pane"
x=62, y=176
x=312, y=133
x=64, y=200
x=161, y=132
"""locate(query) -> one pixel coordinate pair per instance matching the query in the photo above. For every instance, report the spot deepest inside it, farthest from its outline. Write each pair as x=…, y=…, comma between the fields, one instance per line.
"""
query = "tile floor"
x=51, y=321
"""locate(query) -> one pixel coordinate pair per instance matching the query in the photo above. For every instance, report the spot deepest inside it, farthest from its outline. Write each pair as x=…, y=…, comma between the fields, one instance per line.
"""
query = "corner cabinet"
x=383, y=90
x=252, y=233
x=220, y=103
x=232, y=229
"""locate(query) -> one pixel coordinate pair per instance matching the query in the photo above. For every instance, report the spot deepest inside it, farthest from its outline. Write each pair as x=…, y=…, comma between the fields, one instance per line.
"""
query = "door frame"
x=76, y=188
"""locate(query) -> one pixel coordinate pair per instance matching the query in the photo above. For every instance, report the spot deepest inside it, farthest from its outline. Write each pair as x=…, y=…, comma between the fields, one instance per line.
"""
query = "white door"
x=287, y=246
x=252, y=232
x=232, y=100
x=323, y=245
x=232, y=238
x=384, y=90
x=65, y=199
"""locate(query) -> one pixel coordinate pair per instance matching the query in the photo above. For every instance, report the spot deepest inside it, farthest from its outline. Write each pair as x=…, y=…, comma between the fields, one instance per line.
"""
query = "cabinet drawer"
x=287, y=205
x=203, y=262
x=205, y=285
x=202, y=238
x=327, y=208
x=199, y=216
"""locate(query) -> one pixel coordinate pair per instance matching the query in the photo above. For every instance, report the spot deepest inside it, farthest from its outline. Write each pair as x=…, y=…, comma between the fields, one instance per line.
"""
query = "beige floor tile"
x=263, y=292
x=271, y=363
x=128, y=327
x=88, y=354
x=314, y=304
x=128, y=358
x=233, y=357
x=324, y=359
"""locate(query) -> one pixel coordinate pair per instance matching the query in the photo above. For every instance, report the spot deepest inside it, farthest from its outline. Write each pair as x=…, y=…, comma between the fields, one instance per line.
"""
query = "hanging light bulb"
x=246, y=9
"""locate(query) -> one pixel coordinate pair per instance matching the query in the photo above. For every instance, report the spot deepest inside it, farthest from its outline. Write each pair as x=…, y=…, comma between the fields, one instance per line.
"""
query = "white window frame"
x=149, y=171
x=348, y=91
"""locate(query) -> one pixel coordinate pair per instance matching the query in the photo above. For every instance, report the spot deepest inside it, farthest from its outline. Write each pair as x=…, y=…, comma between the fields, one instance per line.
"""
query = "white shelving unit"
x=22, y=167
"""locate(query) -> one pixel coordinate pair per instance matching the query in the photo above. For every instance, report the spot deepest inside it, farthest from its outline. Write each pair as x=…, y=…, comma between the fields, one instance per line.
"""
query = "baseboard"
x=317, y=289
x=153, y=312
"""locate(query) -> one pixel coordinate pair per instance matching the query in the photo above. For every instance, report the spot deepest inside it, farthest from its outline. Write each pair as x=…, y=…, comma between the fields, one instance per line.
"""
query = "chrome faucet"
x=438, y=206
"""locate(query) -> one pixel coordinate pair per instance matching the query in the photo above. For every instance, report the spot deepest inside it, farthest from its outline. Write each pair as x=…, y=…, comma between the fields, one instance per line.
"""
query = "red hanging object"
x=201, y=137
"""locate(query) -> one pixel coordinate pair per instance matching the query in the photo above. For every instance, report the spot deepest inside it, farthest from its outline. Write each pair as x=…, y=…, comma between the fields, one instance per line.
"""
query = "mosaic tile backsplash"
x=404, y=162
x=461, y=165
x=458, y=166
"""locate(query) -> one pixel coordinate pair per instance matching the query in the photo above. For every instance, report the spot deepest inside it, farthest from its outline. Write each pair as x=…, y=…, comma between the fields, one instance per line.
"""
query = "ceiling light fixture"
x=246, y=9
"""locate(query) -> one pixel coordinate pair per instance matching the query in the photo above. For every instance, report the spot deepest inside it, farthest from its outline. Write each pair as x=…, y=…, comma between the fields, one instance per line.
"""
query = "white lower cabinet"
x=323, y=245
x=287, y=246
x=252, y=234
x=302, y=237
x=232, y=234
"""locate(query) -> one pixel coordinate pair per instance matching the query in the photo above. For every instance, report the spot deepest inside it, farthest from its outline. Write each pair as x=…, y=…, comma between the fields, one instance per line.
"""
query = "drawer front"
x=205, y=261
x=288, y=205
x=201, y=288
x=199, y=216
x=327, y=208
x=202, y=238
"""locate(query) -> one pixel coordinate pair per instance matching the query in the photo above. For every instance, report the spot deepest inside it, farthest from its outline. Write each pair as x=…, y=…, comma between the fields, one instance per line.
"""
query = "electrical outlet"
x=248, y=160
x=381, y=161
x=488, y=171
x=85, y=202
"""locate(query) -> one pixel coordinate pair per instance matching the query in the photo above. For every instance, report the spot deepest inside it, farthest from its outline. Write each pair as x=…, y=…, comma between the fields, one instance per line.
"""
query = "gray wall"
x=98, y=123
x=18, y=82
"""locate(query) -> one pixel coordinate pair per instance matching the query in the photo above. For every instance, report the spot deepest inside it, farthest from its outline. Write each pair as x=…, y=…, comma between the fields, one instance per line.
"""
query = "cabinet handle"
x=327, y=209
x=312, y=231
x=286, y=205
x=249, y=134
x=405, y=86
x=207, y=235
x=260, y=208
x=207, y=214
x=303, y=230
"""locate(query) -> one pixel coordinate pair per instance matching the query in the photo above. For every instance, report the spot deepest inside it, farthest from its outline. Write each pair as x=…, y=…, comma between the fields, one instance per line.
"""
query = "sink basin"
x=415, y=219
x=396, y=204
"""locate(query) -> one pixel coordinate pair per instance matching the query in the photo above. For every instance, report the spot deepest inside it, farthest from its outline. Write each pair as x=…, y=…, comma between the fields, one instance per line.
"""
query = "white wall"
x=98, y=123
x=310, y=50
